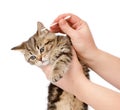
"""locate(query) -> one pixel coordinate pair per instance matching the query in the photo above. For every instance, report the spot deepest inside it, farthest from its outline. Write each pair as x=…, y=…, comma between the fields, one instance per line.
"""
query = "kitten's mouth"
x=45, y=62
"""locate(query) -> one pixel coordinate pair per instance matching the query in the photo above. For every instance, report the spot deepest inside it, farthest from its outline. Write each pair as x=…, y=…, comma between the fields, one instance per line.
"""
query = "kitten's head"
x=38, y=47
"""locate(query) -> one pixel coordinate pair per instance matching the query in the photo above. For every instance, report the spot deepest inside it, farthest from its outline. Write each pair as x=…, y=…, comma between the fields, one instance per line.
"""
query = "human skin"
x=100, y=98
x=82, y=40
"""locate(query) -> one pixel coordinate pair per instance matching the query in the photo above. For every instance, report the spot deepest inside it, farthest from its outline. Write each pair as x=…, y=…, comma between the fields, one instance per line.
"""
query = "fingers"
x=56, y=23
x=72, y=20
x=65, y=27
x=47, y=70
x=75, y=57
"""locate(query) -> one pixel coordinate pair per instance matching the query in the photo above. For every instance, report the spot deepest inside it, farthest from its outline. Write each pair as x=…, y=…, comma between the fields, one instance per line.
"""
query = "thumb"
x=65, y=27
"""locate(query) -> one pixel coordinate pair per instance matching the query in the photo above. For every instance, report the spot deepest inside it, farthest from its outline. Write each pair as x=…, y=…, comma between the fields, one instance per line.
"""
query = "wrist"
x=91, y=56
x=81, y=88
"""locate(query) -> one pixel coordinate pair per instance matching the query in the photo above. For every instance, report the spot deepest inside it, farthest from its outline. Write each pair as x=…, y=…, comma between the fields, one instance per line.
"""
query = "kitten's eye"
x=33, y=57
x=42, y=49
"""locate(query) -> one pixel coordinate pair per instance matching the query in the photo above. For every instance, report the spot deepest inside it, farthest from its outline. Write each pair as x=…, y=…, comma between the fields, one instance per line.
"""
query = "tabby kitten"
x=44, y=48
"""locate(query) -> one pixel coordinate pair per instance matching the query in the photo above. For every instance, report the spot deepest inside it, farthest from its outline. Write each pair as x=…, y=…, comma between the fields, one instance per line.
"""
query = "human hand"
x=78, y=31
x=69, y=80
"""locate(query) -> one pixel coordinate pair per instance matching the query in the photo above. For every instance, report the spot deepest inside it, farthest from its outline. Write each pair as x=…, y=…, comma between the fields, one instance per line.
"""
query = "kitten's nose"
x=39, y=58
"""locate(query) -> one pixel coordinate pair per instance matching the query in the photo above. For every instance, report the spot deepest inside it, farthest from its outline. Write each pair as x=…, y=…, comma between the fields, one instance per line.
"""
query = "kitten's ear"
x=40, y=26
x=20, y=47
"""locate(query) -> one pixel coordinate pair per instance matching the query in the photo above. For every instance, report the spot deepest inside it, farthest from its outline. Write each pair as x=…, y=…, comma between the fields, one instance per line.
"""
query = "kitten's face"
x=38, y=48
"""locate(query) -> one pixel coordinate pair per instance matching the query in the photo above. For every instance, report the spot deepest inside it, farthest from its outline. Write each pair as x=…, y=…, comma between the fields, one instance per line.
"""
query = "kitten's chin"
x=42, y=63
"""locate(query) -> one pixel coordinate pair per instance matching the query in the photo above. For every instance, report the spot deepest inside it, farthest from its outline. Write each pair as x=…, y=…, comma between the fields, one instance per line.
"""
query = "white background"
x=24, y=87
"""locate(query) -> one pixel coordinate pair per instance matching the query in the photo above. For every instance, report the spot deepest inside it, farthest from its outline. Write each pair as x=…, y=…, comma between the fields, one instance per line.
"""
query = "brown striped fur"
x=45, y=47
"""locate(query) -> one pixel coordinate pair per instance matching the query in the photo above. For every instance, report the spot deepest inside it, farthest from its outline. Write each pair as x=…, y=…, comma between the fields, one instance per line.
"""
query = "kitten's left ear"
x=20, y=47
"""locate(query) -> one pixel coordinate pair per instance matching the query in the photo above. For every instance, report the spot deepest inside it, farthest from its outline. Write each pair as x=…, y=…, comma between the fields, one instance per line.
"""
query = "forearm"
x=106, y=65
x=98, y=97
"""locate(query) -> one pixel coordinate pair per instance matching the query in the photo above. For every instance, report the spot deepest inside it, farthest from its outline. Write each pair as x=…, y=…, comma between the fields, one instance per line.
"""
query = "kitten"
x=44, y=48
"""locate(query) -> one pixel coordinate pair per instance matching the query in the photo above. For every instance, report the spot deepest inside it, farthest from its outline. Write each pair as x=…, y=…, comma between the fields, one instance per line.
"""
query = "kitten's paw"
x=58, y=73
x=56, y=77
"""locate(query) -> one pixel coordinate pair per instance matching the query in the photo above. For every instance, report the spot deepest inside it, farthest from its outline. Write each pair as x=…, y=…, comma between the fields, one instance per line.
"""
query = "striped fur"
x=45, y=48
